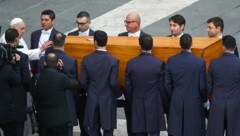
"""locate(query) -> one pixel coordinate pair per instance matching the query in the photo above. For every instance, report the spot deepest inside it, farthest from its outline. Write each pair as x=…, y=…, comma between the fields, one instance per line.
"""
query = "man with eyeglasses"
x=132, y=24
x=83, y=23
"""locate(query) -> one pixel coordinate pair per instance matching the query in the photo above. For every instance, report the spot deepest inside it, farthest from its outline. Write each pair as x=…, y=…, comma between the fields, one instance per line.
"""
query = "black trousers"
x=127, y=110
x=9, y=129
x=81, y=104
x=20, y=128
x=61, y=130
x=146, y=134
x=94, y=130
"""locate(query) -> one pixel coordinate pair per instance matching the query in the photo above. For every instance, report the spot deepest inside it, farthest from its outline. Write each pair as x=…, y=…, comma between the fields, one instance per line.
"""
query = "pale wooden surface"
x=126, y=48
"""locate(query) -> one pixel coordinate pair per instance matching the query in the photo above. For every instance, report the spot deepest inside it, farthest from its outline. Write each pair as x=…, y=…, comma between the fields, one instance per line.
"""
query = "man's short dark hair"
x=83, y=14
x=217, y=21
x=10, y=35
x=179, y=19
x=101, y=38
x=146, y=42
x=229, y=42
x=50, y=13
x=51, y=60
x=58, y=40
x=186, y=41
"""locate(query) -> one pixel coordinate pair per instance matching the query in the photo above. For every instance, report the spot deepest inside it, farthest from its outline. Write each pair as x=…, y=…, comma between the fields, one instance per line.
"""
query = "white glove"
x=207, y=104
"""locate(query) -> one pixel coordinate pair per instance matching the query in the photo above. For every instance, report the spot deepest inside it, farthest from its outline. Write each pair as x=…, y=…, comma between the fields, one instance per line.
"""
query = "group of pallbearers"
x=177, y=88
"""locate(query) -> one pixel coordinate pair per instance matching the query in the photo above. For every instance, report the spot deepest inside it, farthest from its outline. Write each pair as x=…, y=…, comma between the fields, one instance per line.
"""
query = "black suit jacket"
x=50, y=98
x=19, y=93
x=35, y=37
x=9, y=78
x=75, y=33
x=126, y=34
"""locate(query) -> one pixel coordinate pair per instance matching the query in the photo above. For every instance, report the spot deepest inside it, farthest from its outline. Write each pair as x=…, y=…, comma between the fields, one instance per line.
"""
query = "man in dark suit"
x=215, y=26
x=177, y=25
x=185, y=81
x=143, y=87
x=20, y=92
x=39, y=37
x=10, y=77
x=71, y=68
x=132, y=24
x=50, y=99
x=99, y=77
x=223, y=85
x=83, y=23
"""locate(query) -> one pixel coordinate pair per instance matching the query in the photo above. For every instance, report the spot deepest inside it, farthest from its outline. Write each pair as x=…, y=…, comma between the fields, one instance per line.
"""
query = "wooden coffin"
x=126, y=48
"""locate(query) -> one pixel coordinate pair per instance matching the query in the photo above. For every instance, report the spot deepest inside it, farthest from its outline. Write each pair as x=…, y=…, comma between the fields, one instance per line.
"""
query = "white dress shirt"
x=43, y=38
x=85, y=33
x=136, y=34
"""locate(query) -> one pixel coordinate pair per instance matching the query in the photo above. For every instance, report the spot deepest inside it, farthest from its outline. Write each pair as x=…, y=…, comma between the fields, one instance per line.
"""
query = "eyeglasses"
x=80, y=23
x=129, y=22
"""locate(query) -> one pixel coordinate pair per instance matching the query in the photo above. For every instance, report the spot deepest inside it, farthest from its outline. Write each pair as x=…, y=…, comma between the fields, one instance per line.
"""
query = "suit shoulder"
x=123, y=34
x=35, y=32
x=74, y=33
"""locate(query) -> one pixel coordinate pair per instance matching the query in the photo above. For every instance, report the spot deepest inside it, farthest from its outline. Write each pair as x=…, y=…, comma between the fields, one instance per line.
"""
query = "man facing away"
x=223, y=85
x=50, y=98
x=185, y=81
x=70, y=66
x=99, y=77
x=83, y=23
x=20, y=92
x=215, y=28
x=143, y=88
x=45, y=34
x=177, y=25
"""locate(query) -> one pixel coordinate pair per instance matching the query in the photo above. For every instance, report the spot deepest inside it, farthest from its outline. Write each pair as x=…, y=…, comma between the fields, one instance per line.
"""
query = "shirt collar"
x=102, y=50
x=48, y=31
x=85, y=33
x=179, y=35
x=136, y=34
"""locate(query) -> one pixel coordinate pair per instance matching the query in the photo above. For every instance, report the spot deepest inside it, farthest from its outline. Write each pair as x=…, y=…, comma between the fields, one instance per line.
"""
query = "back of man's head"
x=179, y=19
x=11, y=35
x=146, y=42
x=101, y=38
x=50, y=13
x=229, y=42
x=51, y=60
x=83, y=14
x=217, y=21
x=58, y=40
x=186, y=41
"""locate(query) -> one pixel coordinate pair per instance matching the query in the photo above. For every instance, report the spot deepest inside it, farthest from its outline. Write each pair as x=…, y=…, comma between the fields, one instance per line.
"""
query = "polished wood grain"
x=126, y=48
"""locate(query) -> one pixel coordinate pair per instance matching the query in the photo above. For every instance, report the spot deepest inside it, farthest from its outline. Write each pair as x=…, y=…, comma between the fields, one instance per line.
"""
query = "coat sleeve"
x=14, y=75
x=84, y=79
x=168, y=81
x=202, y=81
x=129, y=86
x=210, y=82
x=114, y=79
x=25, y=73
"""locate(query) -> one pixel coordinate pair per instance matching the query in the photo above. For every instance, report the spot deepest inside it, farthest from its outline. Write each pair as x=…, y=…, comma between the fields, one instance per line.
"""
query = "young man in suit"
x=70, y=66
x=39, y=37
x=143, y=88
x=132, y=24
x=20, y=92
x=83, y=23
x=177, y=25
x=185, y=79
x=50, y=99
x=99, y=77
x=223, y=85
x=215, y=26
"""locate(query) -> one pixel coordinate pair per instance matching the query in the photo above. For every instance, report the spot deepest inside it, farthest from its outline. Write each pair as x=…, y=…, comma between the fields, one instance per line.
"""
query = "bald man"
x=132, y=24
x=19, y=25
